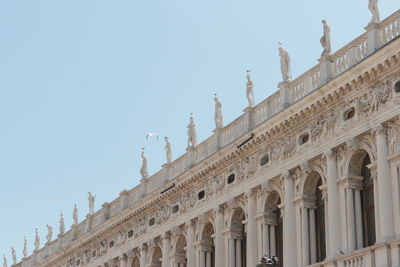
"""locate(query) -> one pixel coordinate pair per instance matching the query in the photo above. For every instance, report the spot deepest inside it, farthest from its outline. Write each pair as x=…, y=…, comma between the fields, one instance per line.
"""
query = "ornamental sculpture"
x=219, y=123
x=285, y=65
x=25, y=250
x=249, y=90
x=49, y=233
x=14, y=256
x=91, y=200
x=168, y=150
x=374, y=9
x=37, y=240
x=75, y=215
x=143, y=170
x=192, y=137
x=62, y=224
x=326, y=39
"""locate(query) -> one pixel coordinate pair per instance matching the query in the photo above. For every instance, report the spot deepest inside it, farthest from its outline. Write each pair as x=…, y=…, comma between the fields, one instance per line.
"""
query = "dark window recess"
x=130, y=233
x=349, y=114
x=264, y=160
x=231, y=178
x=78, y=262
x=111, y=244
x=152, y=221
x=397, y=87
x=201, y=194
x=304, y=138
x=94, y=253
x=175, y=209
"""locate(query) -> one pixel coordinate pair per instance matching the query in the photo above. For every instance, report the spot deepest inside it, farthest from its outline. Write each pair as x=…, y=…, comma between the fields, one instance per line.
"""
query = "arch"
x=272, y=229
x=310, y=183
x=239, y=236
x=364, y=200
x=156, y=256
x=180, y=258
x=207, y=250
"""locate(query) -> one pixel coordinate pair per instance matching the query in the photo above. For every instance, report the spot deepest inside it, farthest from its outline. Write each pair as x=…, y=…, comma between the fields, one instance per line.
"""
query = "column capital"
x=286, y=175
x=250, y=193
x=232, y=203
x=189, y=223
x=219, y=209
x=330, y=154
x=165, y=236
x=380, y=129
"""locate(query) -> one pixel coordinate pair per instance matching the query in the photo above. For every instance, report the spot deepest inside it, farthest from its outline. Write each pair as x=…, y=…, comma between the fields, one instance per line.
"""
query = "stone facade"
x=268, y=181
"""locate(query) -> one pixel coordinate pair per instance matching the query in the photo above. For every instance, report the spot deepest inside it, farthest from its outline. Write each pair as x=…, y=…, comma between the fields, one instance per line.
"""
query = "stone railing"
x=303, y=85
x=390, y=27
x=349, y=55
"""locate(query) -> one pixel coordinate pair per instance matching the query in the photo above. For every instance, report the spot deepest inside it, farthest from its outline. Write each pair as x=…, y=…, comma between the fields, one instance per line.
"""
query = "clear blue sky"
x=82, y=82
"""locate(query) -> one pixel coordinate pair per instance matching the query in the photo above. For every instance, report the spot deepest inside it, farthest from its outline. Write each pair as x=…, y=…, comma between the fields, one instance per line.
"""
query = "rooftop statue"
x=62, y=224
x=373, y=7
x=25, y=251
x=49, y=233
x=249, y=89
x=14, y=256
x=37, y=240
x=91, y=200
x=219, y=123
x=285, y=65
x=168, y=150
x=326, y=39
x=143, y=170
x=75, y=215
x=192, y=138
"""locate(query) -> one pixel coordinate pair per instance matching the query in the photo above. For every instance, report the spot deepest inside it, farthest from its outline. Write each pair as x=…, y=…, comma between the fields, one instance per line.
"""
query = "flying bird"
x=152, y=135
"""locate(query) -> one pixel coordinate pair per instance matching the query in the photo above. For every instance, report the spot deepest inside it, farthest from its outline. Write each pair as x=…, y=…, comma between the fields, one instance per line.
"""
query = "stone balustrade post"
x=285, y=88
x=326, y=69
x=374, y=37
x=334, y=236
x=124, y=200
x=384, y=185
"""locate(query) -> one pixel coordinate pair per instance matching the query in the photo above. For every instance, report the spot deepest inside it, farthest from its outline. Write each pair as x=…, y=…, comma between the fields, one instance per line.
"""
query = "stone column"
x=190, y=226
x=313, y=236
x=231, y=252
x=165, y=250
x=384, y=184
x=333, y=205
x=358, y=213
x=305, y=236
x=272, y=239
x=266, y=240
x=219, y=238
x=238, y=243
x=351, y=230
x=202, y=258
x=289, y=226
x=251, y=241
x=208, y=259
x=143, y=256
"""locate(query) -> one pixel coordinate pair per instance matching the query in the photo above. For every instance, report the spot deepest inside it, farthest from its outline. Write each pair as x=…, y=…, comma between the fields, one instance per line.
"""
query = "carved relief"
x=246, y=168
x=394, y=137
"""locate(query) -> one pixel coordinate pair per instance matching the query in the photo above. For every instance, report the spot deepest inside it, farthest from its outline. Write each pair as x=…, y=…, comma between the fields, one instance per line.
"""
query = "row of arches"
x=312, y=221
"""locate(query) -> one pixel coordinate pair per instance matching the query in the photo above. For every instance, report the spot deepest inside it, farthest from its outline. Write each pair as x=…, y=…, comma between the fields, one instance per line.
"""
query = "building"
x=311, y=174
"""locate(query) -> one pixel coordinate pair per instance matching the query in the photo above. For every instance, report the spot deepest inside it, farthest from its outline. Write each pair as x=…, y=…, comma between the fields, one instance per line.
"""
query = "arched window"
x=273, y=229
x=207, y=252
x=367, y=204
x=239, y=248
x=320, y=222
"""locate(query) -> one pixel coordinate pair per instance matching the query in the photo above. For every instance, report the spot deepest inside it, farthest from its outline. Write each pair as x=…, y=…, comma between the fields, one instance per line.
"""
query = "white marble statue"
x=168, y=150
x=37, y=240
x=249, y=90
x=326, y=39
x=14, y=256
x=91, y=200
x=5, y=261
x=143, y=170
x=373, y=7
x=75, y=215
x=219, y=123
x=285, y=65
x=62, y=224
x=192, y=137
x=49, y=233
x=25, y=251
